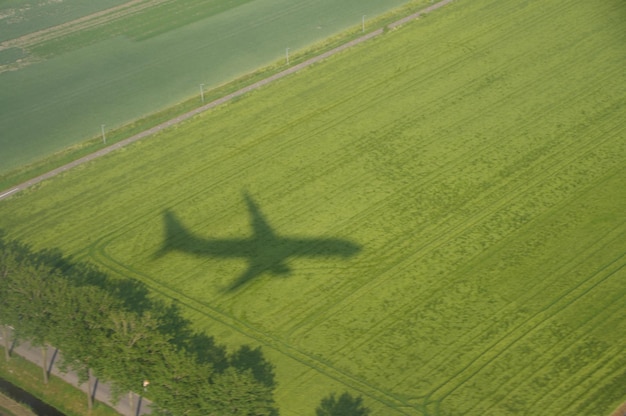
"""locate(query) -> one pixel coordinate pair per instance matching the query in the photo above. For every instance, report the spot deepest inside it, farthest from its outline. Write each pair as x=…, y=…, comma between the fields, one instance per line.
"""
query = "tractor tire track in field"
x=399, y=404
x=540, y=111
x=102, y=17
x=85, y=22
x=152, y=131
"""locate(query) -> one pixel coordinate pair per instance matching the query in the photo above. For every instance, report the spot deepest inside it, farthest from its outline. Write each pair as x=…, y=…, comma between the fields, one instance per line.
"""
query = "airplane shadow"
x=265, y=251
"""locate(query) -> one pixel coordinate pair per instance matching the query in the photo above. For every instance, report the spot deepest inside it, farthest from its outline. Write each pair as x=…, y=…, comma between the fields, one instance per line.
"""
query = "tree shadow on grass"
x=235, y=371
x=345, y=405
x=133, y=295
x=246, y=358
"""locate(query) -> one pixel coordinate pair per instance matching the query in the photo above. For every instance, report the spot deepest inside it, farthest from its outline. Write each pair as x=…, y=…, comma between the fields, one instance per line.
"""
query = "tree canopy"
x=111, y=328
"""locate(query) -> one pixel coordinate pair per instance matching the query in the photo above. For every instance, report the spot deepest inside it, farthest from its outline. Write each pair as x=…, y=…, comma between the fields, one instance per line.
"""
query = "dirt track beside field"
x=16, y=189
x=92, y=20
x=620, y=411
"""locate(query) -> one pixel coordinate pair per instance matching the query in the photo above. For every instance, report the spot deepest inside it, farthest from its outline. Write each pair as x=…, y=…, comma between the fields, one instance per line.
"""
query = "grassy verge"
x=94, y=144
x=10, y=407
x=56, y=393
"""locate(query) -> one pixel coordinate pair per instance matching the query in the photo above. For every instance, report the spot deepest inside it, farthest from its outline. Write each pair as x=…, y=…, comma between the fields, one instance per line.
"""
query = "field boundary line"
x=620, y=411
x=229, y=97
x=89, y=21
x=216, y=313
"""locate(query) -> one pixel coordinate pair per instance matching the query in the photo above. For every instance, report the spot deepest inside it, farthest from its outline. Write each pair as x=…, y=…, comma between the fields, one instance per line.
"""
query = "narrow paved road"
x=128, y=405
x=12, y=191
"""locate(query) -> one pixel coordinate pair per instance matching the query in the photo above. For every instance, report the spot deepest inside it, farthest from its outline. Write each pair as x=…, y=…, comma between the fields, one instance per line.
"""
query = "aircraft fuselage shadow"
x=265, y=251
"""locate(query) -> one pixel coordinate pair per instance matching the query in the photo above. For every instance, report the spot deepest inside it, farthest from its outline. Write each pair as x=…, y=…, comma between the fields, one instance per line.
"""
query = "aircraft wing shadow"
x=265, y=251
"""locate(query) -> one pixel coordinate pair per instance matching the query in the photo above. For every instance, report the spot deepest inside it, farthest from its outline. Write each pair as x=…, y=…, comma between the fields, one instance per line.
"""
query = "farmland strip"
x=215, y=103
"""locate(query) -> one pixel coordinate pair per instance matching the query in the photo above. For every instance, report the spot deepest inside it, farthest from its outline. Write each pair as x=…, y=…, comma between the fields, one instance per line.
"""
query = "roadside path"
x=128, y=405
x=12, y=191
x=620, y=411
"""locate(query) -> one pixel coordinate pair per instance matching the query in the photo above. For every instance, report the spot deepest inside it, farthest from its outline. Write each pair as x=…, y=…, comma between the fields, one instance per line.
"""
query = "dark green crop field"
x=434, y=220
x=68, y=67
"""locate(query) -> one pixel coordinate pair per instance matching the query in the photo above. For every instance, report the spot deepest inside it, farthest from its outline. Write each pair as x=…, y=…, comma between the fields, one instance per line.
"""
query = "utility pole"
x=104, y=137
x=363, y=24
x=202, y=92
x=287, y=55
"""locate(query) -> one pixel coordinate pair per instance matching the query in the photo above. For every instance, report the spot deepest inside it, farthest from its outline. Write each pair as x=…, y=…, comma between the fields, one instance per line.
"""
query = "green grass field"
x=21, y=17
x=125, y=60
x=477, y=157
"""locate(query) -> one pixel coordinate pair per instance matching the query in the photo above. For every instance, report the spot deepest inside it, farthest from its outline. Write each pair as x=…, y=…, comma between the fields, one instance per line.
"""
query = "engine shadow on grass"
x=134, y=296
x=264, y=250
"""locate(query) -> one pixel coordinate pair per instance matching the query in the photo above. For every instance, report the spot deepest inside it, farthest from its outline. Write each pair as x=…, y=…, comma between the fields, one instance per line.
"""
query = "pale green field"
x=477, y=156
x=123, y=67
x=21, y=17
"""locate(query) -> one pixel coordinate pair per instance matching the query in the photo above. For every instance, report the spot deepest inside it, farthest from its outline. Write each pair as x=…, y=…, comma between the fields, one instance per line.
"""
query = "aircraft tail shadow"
x=264, y=250
x=176, y=236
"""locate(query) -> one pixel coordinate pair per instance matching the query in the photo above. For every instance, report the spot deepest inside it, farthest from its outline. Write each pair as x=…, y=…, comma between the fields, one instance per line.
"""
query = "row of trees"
x=112, y=329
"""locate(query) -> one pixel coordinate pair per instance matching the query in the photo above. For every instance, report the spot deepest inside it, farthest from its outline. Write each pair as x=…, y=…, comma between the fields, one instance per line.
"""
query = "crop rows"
x=113, y=65
x=477, y=156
